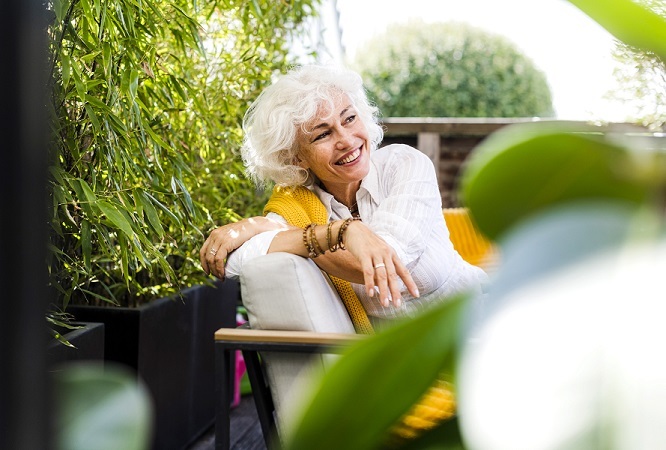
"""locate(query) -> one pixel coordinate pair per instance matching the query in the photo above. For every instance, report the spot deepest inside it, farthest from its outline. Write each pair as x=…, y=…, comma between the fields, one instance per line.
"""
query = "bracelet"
x=306, y=242
x=314, y=243
x=331, y=247
x=343, y=228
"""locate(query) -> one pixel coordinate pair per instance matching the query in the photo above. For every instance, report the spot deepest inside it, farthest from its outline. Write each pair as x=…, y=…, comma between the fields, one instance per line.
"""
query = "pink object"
x=240, y=368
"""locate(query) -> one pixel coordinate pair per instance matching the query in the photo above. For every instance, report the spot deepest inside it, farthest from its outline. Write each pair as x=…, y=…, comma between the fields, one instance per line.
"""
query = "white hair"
x=271, y=122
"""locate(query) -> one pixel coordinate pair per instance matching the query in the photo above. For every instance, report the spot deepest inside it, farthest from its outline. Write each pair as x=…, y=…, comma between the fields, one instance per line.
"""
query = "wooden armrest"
x=281, y=340
x=297, y=337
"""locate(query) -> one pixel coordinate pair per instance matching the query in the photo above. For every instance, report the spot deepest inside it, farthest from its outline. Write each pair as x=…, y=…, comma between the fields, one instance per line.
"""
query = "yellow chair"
x=468, y=241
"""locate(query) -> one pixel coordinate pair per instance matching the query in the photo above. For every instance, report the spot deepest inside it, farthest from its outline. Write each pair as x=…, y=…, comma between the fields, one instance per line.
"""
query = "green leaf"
x=86, y=243
x=93, y=118
x=628, y=21
x=151, y=214
x=65, y=68
x=104, y=408
x=524, y=168
x=116, y=217
x=377, y=381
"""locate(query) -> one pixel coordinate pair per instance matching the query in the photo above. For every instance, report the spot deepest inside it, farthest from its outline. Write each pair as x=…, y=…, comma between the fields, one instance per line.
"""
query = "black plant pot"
x=88, y=342
x=170, y=343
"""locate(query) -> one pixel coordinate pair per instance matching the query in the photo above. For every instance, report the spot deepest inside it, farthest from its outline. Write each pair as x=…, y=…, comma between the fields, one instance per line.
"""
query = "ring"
x=377, y=266
x=213, y=252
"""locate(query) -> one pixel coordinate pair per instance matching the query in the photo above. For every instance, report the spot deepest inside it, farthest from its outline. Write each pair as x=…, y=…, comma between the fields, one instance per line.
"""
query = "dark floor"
x=245, y=429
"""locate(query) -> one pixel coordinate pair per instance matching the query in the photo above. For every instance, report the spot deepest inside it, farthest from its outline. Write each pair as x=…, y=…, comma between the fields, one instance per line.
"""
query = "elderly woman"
x=371, y=217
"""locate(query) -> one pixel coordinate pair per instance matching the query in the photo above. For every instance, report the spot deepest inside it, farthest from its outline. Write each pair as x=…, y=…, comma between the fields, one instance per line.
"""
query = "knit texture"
x=300, y=207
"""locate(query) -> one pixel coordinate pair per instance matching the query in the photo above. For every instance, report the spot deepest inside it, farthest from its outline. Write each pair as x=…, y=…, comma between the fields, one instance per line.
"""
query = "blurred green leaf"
x=399, y=364
x=101, y=408
x=629, y=22
x=524, y=168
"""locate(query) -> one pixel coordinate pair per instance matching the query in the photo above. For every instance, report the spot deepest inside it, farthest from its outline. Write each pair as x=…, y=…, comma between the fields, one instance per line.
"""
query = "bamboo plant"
x=147, y=99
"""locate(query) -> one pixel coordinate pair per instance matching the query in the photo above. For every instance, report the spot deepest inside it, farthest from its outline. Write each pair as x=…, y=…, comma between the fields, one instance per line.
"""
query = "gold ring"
x=213, y=252
x=377, y=266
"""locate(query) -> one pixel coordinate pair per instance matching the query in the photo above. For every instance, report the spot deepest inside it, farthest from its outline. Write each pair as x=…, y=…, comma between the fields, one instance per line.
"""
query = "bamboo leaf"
x=86, y=243
x=65, y=69
x=116, y=217
x=93, y=118
x=151, y=214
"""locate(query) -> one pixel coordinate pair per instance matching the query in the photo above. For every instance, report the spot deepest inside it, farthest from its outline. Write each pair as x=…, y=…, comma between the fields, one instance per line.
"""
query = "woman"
x=380, y=210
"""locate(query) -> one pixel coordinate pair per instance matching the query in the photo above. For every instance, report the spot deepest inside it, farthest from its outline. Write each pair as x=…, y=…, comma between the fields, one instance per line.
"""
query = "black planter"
x=170, y=343
x=88, y=342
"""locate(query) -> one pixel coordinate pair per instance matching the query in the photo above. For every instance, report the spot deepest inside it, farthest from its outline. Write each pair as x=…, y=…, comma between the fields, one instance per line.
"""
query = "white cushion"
x=282, y=291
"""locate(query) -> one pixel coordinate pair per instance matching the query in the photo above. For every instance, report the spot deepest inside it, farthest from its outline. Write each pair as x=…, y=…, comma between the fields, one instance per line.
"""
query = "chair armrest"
x=280, y=340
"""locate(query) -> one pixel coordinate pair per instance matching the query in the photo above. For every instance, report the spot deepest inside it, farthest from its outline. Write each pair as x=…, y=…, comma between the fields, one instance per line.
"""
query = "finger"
x=203, y=255
x=368, y=277
x=381, y=281
x=406, y=277
x=393, y=284
x=219, y=261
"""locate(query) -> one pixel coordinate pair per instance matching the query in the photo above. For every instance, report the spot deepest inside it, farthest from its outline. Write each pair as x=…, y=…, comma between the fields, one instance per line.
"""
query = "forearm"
x=340, y=263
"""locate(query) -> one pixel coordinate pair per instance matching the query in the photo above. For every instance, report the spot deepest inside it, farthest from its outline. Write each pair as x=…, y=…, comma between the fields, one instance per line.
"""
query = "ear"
x=298, y=161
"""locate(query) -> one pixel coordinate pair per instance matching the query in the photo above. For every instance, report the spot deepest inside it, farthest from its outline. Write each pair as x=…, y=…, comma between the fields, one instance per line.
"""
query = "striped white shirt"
x=399, y=200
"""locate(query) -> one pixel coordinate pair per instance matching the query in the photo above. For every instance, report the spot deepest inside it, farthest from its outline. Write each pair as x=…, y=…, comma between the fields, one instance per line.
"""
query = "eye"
x=350, y=119
x=321, y=136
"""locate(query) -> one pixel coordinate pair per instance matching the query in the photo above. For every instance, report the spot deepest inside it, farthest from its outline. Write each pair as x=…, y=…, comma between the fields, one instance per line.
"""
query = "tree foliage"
x=451, y=70
x=642, y=78
x=147, y=101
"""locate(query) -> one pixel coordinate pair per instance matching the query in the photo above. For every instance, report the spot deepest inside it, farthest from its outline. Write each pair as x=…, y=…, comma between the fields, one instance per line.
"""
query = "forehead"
x=328, y=109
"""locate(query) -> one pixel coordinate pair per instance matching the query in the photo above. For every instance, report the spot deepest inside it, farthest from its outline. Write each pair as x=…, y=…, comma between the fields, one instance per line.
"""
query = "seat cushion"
x=282, y=291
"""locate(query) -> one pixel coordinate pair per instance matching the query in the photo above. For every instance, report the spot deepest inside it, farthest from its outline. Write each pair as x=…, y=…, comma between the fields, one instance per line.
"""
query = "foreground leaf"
x=377, y=381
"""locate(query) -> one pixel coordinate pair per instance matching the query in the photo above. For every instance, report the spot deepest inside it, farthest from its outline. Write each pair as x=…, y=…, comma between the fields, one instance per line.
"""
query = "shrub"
x=147, y=102
x=451, y=70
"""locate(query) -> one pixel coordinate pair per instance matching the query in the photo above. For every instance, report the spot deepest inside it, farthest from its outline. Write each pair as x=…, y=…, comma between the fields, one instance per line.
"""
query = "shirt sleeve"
x=253, y=247
x=411, y=210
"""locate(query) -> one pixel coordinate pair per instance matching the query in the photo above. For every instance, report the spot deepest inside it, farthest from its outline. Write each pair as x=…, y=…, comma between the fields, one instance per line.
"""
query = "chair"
x=298, y=323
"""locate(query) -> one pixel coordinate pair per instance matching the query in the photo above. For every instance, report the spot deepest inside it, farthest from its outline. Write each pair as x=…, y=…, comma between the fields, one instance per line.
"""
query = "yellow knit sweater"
x=300, y=207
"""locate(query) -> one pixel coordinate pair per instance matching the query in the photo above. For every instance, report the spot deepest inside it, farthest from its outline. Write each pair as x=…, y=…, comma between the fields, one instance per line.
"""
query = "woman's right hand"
x=380, y=264
x=227, y=238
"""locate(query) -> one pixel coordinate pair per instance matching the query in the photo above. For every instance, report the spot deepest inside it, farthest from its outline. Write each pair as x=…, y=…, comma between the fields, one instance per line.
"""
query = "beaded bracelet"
x=308, y=245
x=314, y=242
x=329, y=233
x=343, y=228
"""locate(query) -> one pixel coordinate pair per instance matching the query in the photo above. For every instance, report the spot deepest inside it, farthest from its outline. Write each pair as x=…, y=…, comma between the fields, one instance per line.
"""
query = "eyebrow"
x=325, y=124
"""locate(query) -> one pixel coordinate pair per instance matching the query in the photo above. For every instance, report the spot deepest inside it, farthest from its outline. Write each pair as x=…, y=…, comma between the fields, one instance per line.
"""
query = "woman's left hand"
x=380, y=264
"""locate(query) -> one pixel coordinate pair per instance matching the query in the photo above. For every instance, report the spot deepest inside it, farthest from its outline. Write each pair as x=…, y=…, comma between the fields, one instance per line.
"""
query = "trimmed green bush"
x=147, y=103
x=451, y=70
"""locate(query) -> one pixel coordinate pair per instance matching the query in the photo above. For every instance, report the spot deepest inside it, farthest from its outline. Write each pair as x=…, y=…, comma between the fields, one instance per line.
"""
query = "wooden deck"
x=245, y=430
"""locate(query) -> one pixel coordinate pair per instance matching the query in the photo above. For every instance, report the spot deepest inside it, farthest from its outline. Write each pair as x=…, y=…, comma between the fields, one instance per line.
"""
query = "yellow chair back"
x=468, y=241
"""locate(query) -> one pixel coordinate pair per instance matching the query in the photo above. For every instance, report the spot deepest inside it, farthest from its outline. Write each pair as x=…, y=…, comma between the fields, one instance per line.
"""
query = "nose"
x=344, y=139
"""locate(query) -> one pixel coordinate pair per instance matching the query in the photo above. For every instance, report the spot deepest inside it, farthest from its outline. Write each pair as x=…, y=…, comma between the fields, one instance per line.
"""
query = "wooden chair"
x=317, y=325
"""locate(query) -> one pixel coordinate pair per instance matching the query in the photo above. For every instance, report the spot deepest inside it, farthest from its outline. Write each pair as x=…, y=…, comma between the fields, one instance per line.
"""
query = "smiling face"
x=334, y=147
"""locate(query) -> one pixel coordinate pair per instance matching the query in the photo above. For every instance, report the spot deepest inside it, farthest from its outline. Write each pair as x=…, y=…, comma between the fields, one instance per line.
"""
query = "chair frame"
x=250, y=342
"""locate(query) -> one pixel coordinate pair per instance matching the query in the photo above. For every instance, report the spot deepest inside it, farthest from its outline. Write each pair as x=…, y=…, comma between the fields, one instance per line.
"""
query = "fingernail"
x=386, y=302
x=398, y=302
x=418, y=294
x=371, y=293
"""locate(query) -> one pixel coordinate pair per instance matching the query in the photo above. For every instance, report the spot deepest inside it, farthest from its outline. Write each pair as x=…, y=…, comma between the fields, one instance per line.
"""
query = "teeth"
x=350, y=158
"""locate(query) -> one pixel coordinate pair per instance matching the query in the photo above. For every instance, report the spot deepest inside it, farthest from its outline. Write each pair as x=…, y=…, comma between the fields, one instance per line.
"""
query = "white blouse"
x=399, y=200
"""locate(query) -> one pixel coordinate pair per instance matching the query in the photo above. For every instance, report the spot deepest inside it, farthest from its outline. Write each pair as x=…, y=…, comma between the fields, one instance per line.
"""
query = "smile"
x=351, y=158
